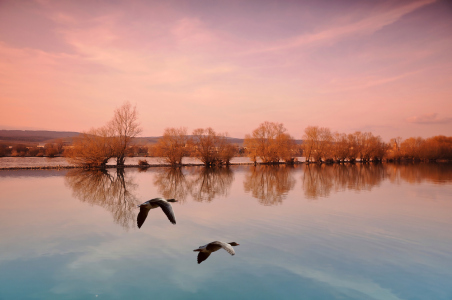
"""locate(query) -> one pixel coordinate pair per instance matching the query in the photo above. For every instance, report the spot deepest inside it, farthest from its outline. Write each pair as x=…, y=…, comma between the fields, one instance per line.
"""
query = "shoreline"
x=127, y=166
x=59, y=167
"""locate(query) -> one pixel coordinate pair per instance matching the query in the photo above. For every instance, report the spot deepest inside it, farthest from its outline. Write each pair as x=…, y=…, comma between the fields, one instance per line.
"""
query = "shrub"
x=143, y=163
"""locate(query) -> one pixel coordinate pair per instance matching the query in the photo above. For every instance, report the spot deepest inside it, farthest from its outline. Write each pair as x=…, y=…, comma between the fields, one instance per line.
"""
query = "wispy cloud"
x=367, y=25
x=356, y=83
x=431, y=118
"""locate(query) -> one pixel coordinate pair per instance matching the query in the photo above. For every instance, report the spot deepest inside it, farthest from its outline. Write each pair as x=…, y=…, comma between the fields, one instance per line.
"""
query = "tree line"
x=321, y=145
x=269, y=143
x=22, y=150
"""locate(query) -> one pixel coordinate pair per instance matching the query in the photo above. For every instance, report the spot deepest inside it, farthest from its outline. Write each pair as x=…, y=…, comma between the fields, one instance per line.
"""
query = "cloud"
x=431, y=118
x=364, y=26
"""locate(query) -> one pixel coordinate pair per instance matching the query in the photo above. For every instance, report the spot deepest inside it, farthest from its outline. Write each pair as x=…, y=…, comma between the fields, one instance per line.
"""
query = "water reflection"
x=208, y=183
x=114, y=192
x=417, y=173
x=394, y=245
x=172, y=183
x=321, y=180
x=206, y=250
x=203, y=184
x=269, y=184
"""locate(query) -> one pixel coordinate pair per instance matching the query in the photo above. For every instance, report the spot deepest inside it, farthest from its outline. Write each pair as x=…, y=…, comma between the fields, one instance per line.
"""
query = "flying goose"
x=204, y=251
x=154, y=203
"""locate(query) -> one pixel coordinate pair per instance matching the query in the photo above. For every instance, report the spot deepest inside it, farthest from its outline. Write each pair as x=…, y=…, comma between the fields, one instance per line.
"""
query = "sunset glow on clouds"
x=380, y=66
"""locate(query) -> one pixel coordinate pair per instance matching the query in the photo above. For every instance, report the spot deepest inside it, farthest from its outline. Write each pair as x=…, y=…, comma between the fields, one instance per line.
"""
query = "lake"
x=359, y=231
x=26, y=162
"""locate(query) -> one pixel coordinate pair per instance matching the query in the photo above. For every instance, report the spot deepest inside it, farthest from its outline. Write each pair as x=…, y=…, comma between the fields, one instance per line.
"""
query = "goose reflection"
x=206, y=250
x=113, y=191
x=155, y=203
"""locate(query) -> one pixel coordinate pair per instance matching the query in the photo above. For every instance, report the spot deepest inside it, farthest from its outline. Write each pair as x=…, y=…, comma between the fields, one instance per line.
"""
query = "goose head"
x=233, y=244
x=171, y=200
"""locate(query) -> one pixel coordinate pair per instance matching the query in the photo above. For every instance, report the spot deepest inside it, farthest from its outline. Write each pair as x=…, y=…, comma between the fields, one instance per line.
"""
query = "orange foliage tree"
x=172, y=146
x=210, y=147
x=124, y=127
x=270, y=143
x=91, y=149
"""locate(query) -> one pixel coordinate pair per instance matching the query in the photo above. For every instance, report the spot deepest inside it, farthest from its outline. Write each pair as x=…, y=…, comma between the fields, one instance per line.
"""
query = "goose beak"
x=197, y=250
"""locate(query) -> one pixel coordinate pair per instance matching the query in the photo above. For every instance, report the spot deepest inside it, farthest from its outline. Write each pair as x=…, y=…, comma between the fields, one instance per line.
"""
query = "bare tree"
x=208, y=146
x=287, y=148
x=340, y=147
x=125, y=127
x=394, y=148
x=270, y=143
x=353, y=146
x=91, y=149
x=316, y=142
x=172, y=146
x=251, y=146
x=411, y=148
x=226, y=150
x=50, y=149
x=96, y=147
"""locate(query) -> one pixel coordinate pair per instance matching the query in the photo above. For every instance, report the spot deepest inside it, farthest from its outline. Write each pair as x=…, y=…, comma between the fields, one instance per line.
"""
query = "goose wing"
x=223, y=245
x=142, y=215
x=202, y=256
x=167, y=209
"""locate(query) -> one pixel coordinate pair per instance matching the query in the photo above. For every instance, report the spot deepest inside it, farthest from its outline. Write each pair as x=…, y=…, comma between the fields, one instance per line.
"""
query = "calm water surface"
x=14, y=162
x=309, y=232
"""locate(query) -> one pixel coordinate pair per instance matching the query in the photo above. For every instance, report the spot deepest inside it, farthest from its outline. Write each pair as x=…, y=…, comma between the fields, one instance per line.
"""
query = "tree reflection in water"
x=208, y=183
x=321, y=180
x=172, y=184
x=203, y=184
x=112, y=192
x=440, y=173
x=269, y=184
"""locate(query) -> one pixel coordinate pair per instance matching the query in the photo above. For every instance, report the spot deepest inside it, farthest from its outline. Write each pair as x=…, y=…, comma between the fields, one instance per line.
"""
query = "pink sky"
x=379, y=66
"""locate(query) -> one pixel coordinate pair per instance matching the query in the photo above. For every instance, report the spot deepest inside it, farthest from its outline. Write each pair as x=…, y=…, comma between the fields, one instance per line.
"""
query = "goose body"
x=206, y=250
x=163, y=203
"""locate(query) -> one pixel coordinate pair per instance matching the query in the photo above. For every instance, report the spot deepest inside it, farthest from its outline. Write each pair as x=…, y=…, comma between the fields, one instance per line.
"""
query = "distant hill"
x=33, y=136
x=43, y=136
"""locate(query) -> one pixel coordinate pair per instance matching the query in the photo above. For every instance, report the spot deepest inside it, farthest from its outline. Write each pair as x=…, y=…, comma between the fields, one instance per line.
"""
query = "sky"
x=349, y=65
